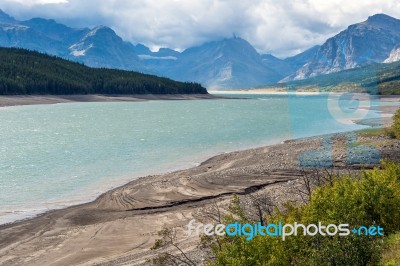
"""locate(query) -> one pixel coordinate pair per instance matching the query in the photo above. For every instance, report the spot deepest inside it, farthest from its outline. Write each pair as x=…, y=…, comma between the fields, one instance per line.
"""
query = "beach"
x=52, y=99
x=121, y=226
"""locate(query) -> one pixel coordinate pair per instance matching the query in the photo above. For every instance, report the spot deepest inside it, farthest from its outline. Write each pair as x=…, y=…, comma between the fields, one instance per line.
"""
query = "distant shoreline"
x=267, y=92
x=18, y=100
x=286, y=92
x=54, y=99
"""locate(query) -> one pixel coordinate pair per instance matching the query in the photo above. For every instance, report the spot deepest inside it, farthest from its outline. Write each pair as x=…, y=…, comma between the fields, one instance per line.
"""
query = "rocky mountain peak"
x=360, y=44
x=381, y=18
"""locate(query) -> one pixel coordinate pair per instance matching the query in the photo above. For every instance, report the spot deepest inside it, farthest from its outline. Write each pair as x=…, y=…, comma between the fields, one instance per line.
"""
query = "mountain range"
x=226, y=63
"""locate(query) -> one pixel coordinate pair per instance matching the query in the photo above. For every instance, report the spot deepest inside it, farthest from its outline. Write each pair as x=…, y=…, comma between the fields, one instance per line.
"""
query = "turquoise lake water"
x=52, y=156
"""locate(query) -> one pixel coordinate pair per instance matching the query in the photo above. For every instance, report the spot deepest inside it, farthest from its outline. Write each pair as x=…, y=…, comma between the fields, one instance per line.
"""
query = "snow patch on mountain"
x=6, y=27
x=94, y=31
x=150, y=57
x=394, y=55
x=79, y=50
x=225, y=74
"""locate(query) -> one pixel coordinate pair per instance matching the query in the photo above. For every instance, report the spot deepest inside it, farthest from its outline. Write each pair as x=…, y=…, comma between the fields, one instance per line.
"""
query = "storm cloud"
x=282, y=28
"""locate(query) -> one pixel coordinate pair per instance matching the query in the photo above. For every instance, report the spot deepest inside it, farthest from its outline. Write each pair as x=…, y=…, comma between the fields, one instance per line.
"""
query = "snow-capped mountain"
x=360, y=44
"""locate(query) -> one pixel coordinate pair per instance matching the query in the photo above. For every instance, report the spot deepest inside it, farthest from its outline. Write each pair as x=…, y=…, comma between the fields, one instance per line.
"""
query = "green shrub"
x=373, y=198
x=396, y=125
x=391, y=251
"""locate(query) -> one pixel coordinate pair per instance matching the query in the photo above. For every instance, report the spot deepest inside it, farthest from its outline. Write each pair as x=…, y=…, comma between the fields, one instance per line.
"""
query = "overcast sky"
x=283, y=27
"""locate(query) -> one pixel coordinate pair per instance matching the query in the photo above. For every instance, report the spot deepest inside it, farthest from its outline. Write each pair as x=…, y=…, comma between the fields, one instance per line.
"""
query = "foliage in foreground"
x=24, y=72
x=372, y=198
x=395, y=129
x=391, y=251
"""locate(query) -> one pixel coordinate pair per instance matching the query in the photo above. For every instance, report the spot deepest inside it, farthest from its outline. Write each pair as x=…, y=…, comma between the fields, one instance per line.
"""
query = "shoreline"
x=19, y=100
x=121, y=225
x=361, y=95
x=30, y=211
x=384, y=121
x=168, y=169
x=369, y=123
x=123, y=222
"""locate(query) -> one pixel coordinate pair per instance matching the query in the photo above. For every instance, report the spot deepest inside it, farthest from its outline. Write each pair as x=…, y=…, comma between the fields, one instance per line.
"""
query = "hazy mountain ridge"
x=226, y=63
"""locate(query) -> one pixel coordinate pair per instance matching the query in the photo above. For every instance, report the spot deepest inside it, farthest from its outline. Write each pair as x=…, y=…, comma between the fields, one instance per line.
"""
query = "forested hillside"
x=24, y=72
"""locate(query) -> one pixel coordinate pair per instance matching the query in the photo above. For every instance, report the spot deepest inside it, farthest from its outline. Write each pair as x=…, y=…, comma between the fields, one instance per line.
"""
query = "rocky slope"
x=360, y=44
x=394, y=55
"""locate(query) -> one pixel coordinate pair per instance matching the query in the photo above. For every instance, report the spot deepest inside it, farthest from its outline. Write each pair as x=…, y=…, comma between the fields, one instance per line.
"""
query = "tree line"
x=24, y=72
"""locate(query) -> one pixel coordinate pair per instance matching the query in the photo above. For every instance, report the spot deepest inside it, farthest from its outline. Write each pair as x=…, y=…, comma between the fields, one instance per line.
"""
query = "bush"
x=391, y=252
x=372, y=198
x=395, y=129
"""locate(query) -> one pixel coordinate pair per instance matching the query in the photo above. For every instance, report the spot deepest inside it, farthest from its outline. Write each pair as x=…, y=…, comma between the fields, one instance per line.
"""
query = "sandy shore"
x=121, y=226
x=51, y=99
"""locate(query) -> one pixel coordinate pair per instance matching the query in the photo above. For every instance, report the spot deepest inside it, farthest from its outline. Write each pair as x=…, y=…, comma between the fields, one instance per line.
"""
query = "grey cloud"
x=281, y=27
